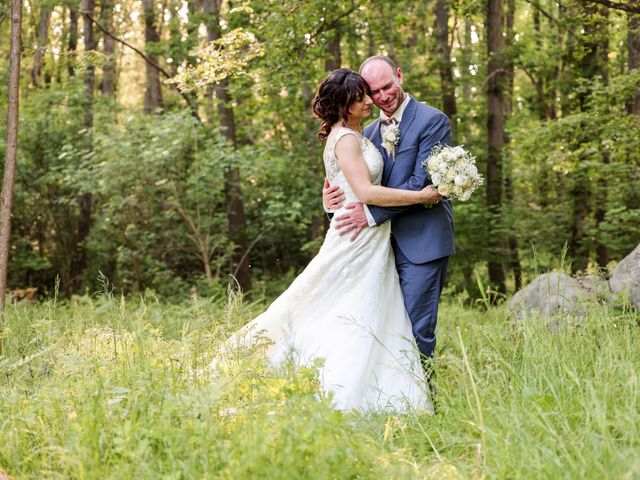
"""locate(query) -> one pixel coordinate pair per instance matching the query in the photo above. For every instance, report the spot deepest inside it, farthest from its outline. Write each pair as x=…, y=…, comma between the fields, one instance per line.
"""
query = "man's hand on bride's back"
x=332, y=197
x=355, y=220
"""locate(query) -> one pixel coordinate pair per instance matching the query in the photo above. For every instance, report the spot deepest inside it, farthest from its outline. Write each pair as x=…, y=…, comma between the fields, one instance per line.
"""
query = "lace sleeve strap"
x=343, y=131
x=330, y=160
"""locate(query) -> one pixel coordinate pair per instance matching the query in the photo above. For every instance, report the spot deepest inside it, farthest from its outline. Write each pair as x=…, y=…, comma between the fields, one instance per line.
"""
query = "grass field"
x=104, y=387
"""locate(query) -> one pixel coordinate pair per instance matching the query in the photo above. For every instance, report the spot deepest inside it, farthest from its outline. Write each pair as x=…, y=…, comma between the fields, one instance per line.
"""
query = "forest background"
x=167, y=145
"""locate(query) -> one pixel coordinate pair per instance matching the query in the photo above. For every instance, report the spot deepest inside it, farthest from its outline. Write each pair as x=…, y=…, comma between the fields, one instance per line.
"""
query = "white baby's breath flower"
x=437, y=178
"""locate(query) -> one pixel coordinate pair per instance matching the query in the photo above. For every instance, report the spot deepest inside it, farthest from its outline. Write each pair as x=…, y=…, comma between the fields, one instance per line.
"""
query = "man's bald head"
x=379, y=58
x=384, y=77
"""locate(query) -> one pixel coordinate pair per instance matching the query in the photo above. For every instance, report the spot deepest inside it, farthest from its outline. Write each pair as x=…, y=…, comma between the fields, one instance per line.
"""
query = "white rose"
x=458, y=190
x=444, y=191
x=460, y=180
x=472, y=171
x=391, y=135
x=451, y=174
x=458, y=151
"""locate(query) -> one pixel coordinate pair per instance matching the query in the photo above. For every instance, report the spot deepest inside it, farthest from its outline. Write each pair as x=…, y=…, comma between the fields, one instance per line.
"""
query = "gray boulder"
x=625, y=278
x=595, y=286
x=548, y=294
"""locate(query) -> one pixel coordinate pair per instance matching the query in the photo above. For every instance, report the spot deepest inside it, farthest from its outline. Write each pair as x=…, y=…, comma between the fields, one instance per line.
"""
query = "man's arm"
x=437, y=132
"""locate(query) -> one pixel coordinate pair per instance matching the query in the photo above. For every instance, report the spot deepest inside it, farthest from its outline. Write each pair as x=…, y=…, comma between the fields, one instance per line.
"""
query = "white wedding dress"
x=347, y=308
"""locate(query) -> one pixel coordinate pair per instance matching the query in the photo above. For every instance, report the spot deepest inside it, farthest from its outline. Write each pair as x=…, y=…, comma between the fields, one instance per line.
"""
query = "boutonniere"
x=390, y=139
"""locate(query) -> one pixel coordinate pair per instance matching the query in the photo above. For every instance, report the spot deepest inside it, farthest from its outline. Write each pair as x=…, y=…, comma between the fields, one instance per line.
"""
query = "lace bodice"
x=371, y=156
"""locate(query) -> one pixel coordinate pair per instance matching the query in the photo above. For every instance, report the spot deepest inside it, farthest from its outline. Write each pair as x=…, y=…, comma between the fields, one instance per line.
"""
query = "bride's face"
x=361, y=108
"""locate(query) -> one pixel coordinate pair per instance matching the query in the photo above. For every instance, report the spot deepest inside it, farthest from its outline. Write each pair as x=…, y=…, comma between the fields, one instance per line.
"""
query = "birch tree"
x=9, y=175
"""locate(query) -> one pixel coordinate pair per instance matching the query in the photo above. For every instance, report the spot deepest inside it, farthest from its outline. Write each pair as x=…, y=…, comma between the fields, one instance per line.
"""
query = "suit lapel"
x=408, y=116
x=374, y=133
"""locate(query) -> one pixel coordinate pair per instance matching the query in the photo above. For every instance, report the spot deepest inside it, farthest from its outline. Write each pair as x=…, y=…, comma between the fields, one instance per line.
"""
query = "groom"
x=422, y=238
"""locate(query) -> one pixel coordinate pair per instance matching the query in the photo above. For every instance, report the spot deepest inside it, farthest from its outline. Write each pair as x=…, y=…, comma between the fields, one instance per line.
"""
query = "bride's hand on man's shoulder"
x=429, y=195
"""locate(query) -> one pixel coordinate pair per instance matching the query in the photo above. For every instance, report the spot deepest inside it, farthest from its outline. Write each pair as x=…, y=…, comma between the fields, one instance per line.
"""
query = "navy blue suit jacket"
x=423, y=234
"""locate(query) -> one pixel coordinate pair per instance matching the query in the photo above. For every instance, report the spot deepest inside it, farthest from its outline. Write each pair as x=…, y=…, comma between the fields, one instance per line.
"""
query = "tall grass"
x=112, y=388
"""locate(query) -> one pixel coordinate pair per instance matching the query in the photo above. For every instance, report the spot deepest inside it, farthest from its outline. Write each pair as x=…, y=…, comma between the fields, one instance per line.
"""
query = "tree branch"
x=454, y=29
x=618, y=6
x=325, y=27
x=192, y=107
x=249, y=248
x=499, y=71
x=536, y=4
x=539, y=90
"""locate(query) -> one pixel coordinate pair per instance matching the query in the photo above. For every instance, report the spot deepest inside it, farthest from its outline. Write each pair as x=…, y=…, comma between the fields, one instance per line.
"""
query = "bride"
x=346, y=307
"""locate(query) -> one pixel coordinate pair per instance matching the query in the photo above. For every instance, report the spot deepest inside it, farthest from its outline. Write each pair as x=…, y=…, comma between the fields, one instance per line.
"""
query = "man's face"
x=385, y=85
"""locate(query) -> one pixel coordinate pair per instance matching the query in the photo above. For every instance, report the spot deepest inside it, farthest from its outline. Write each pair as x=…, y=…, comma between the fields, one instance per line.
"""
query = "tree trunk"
x=89, y=39
x=602, y=251
x=153, y=92
x=591, y=55
x=232, y=179
x=466, y=57
x=546, y=104
x=514, y=255
x=567, y=38
x=602, y=41
x=633, y=61
x=9, y=174
x=508, y=61
x=42, y=35
x=73, y=39
x=85, y=199
x=447, y=86
x=372, y=49
x=108, y=84
x=554, y=79
x=495, y=130
x=333, y=60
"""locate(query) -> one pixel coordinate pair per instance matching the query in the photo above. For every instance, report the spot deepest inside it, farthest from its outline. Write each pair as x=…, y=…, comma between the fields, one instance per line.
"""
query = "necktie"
x=388, y=121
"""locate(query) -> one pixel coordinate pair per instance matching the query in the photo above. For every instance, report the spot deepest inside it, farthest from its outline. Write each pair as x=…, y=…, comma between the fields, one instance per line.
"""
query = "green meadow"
x=103, y=387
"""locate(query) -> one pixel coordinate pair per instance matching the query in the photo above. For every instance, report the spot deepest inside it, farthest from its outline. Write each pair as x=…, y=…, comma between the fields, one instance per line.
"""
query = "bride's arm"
x=355, y=169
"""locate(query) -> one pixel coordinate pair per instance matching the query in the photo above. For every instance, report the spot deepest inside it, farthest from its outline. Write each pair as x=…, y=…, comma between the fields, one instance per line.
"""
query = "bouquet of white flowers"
x=453, y=171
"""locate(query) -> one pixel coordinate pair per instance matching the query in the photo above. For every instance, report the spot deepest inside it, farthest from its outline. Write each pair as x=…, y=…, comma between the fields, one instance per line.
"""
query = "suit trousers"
x=421, y=286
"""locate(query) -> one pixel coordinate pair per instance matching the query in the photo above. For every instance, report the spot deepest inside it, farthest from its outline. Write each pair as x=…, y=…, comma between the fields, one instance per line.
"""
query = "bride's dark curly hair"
x=341, y=89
